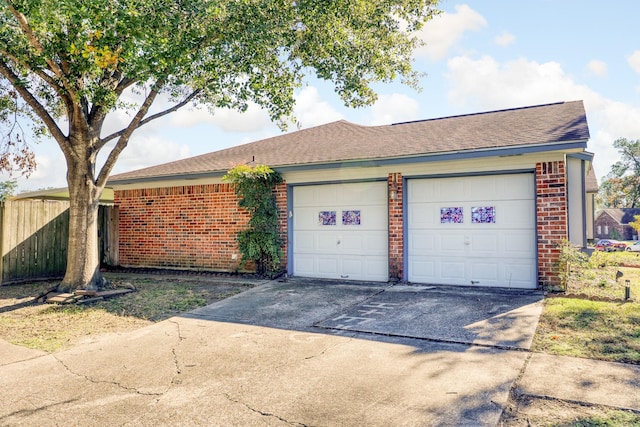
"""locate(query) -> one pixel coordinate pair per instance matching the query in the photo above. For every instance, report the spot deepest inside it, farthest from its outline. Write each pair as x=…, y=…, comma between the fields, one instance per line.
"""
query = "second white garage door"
x=340, y=231
x=476, y=230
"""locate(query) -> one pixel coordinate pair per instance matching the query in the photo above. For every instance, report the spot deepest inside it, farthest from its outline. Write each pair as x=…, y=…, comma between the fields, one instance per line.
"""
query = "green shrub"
x=260, y=242
x=571, y=264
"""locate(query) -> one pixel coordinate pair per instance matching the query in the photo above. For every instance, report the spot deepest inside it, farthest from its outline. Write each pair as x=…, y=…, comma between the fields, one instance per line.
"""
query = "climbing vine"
x=260, y=242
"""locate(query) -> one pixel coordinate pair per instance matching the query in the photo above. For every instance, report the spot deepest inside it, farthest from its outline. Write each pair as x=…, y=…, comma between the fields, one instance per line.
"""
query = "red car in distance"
x=609, y=245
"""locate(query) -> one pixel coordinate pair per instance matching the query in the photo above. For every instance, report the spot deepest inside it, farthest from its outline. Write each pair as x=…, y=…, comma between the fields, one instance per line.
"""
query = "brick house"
x=614, y=224
x=478, y=199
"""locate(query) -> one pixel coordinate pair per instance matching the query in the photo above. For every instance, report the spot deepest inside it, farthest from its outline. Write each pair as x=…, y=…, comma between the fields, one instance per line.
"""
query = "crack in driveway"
x=174, y=379
x=115, y=383
x=264, y=414
x=328, y=349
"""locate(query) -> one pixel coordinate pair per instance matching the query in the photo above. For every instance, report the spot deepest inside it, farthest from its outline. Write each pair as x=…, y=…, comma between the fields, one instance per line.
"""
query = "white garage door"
x=472, y=231
x=340, y=231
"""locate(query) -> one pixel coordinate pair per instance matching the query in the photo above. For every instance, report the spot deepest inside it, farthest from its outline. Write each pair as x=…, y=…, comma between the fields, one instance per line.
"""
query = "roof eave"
x=372, y=162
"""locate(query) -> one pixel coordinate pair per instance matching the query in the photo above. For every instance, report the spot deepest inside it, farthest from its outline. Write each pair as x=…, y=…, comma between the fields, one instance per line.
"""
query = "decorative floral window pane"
x=350, y=217
x=451, y=216
x=327, y=218
x=483, y=215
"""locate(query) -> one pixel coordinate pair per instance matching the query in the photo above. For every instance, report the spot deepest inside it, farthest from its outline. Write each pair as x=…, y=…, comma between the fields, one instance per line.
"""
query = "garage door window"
x=451, y=215
x=327, y=218
x=483, y=215
x=350, y=217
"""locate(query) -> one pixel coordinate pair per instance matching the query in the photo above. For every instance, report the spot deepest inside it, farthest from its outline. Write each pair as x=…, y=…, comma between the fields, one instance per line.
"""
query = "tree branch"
x=181, y=104
x=37, y=107
x=125, y=134
x=124, y=84
x=44, y=76
x=35, y=43
x=115, y=81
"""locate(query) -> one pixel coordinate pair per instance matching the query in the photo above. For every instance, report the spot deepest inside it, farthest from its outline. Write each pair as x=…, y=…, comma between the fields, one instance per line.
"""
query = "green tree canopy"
x=7, y=189
x=620, y=188
x=66, y=65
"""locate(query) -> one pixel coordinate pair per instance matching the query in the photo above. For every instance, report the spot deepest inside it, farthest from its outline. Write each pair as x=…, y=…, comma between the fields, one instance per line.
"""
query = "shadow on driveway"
x=494, y=317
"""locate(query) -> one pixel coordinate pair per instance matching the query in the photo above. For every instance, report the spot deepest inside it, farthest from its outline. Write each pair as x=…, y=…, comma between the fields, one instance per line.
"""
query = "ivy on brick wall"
x=260, y=242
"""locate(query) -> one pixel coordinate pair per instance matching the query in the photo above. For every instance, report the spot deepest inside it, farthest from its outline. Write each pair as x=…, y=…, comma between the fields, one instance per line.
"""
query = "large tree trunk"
x=83, y=260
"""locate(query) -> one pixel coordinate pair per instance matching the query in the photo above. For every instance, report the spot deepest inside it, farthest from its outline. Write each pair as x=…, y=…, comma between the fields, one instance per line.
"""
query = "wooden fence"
x=33, y=239
x=108, y=239
x=34, y=236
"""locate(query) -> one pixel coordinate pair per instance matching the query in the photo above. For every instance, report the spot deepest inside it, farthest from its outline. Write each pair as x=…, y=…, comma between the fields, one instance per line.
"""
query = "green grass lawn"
x=592, y=318
x=590, y=329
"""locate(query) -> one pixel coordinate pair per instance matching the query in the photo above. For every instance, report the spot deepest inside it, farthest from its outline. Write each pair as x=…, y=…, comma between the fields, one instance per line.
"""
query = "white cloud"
x=634, y=61
x=311, y=110
x=147, y=150
x=445, y=30
x=597, y=68
x=394, y=108
x=50, y=173
x=252, y=120
x=505, y=39
x=484, y=84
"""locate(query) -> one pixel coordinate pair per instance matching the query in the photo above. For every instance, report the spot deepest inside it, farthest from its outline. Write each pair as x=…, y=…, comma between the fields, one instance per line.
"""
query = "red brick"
x=185, y=227
x=552, y=226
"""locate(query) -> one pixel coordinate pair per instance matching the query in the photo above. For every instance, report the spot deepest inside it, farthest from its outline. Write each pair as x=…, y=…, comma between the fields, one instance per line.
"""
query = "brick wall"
x=396, y=244
x=281, y=201
x=551, y=200
x=195, y=226
x=192, y=227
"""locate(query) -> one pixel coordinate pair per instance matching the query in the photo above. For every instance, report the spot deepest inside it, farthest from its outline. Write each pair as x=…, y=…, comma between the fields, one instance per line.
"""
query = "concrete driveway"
x=502, y=318
x=302, y=353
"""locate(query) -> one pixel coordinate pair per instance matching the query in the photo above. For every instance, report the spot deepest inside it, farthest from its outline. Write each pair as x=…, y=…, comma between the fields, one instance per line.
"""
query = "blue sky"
x=480, y=56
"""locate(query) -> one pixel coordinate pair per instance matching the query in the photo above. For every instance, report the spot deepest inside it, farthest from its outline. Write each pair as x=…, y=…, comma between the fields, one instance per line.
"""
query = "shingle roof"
x=622, y=215
x=343, y=141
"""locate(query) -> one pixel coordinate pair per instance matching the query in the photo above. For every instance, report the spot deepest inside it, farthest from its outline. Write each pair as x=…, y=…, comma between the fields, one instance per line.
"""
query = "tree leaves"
x=7, y=189
x=621, y=187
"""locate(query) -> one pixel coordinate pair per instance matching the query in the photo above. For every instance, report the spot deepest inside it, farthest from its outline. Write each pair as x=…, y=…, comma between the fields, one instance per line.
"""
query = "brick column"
x=280, y=192
x=396, y=243
x=551, y=205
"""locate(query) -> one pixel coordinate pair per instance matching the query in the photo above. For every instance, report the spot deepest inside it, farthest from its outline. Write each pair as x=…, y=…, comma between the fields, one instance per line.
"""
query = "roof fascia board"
x=585, y=155
x=424, y=158
x=438, y=157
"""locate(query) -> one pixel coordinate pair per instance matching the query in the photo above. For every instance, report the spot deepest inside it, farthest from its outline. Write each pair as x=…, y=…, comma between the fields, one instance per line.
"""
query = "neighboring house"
x=614, y=224
x=478, y=199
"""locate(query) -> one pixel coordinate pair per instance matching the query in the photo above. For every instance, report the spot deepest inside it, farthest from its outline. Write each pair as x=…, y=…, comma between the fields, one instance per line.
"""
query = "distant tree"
x=615, y=234
x=635, y=224
x=620, y=188
x=7, y=189
x=67, y=65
